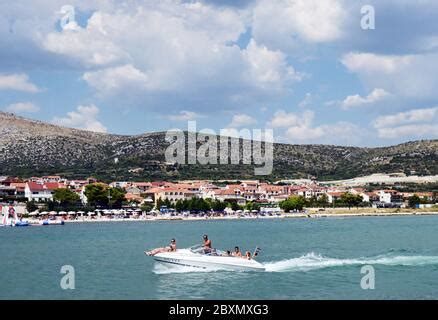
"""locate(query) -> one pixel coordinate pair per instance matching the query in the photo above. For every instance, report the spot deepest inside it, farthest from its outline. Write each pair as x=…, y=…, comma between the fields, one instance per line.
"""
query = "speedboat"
x=195, y=257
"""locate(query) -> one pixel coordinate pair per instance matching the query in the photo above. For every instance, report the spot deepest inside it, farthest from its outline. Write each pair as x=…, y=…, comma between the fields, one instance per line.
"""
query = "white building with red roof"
x=41, y=191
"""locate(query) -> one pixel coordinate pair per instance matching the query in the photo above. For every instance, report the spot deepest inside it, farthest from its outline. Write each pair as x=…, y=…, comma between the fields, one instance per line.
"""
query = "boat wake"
x=312, y=261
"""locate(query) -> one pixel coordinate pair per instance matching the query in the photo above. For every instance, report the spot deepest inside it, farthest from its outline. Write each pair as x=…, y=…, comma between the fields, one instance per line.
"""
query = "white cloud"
x=300, y=128
x=241, y=120
x=184, y=116
x=288, y=24
x=283, y=119
x=268, y=68
x=110, y=80
x=342, y=132
x=370, y=62
x=306, y=101
x=22, y=107
x=413, y=123
x=83, y=118
x=411, y=116
x=90, y=46
x=412, y=76
x=18, y=82
x=427, y=131
x=356, y=100
x=173, y=47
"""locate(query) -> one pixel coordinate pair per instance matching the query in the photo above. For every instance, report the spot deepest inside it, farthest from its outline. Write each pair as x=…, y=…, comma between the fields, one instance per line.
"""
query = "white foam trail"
x=312, y=261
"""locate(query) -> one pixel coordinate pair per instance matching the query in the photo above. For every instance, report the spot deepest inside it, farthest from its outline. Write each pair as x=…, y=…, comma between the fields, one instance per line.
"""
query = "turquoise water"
x=305, y=259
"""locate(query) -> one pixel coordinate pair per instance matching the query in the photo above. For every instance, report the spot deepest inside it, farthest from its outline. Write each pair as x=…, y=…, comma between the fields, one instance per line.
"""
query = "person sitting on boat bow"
x=170, y=248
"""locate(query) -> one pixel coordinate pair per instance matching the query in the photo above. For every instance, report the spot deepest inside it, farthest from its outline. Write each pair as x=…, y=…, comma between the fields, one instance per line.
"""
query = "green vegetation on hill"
x=29, y=148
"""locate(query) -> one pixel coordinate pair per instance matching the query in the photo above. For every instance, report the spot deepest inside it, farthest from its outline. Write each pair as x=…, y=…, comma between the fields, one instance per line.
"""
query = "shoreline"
x=283, y=216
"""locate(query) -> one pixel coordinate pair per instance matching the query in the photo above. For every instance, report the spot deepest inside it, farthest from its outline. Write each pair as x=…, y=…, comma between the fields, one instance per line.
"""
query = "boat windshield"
x=199, y=249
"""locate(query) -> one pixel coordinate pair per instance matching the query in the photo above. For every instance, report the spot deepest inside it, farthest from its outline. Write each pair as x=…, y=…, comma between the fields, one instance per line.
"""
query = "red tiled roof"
x=33, y=186
x=336, y=193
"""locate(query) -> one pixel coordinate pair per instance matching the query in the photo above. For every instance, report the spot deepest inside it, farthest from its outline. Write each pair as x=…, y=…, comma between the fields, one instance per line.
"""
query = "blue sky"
x=304, y=68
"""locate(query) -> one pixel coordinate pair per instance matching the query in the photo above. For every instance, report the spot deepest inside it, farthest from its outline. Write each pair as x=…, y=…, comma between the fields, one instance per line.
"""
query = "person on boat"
x=207, y=244
x=237, y=252
x=247, y=255
x=227, y=253
x=170, y=248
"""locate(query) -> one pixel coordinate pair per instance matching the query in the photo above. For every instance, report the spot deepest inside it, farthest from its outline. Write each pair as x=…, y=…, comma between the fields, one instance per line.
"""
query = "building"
x=51, y=179
x=333, y=196
x=19, y=188
x=142, y=186
x=170, y=193
x=41, y=192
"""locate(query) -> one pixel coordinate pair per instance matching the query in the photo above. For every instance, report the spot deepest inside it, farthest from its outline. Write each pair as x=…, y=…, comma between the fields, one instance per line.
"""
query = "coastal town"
x=58, y=198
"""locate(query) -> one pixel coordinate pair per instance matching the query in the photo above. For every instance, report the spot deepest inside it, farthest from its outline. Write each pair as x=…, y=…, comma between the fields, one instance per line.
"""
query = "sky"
x=314, y=71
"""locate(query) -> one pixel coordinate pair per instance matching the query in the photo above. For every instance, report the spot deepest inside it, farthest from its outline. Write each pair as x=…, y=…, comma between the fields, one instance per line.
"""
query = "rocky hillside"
x=29, y=147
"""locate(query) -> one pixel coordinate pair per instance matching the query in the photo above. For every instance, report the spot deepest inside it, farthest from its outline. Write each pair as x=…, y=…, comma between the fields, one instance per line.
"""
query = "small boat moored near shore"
x=52, y=222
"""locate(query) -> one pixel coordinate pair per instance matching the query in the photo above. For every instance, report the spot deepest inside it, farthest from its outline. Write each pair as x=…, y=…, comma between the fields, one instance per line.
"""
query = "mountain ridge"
x=32, y=147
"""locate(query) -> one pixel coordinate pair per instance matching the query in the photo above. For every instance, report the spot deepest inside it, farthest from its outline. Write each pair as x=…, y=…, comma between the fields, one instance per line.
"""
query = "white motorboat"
x=214, y=260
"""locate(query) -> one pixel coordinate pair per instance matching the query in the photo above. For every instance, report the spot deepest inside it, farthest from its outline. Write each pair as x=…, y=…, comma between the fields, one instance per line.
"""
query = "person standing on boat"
x=207, y=244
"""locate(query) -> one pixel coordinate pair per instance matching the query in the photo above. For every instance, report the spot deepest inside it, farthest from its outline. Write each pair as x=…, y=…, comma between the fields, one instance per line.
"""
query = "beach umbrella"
x=53, y=213
x=62, y=212
x=90, y=213
x=33, y=213
x=81, y=212
x=44, y=213
x=71, y=213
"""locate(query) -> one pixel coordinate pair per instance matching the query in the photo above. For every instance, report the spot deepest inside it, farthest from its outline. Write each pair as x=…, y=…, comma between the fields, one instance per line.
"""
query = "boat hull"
x=187, y=258
x=52, y=223
x=22, y=224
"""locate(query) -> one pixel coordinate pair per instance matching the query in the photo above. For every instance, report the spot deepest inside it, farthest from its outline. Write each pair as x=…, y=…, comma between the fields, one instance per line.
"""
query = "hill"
x=29, y=147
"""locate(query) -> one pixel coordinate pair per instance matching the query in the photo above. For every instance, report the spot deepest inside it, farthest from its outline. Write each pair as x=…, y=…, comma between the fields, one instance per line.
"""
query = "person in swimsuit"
x=237, y=252
x=170, y=248
x=207, y=244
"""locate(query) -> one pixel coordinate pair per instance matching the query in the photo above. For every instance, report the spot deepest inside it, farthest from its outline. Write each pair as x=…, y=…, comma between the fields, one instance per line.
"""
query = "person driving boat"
x=207, y=244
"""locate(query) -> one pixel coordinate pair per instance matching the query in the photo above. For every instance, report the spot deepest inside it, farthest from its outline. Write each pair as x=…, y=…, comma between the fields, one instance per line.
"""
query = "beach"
x=311, y=213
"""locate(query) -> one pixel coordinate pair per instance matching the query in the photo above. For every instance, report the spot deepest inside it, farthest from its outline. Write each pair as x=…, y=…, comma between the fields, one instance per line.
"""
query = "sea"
x=305, y=258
